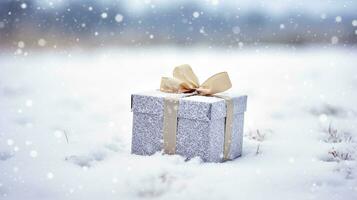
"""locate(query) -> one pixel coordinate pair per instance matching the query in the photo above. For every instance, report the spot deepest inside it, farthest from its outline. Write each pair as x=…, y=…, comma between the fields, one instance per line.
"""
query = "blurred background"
x=228, y=23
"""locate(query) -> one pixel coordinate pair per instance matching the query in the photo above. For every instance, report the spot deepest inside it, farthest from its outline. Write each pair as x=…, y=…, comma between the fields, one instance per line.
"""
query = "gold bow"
x=185, y=80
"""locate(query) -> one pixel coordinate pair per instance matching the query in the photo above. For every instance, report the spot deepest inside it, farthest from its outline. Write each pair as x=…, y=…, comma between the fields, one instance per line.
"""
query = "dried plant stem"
x=65, y=134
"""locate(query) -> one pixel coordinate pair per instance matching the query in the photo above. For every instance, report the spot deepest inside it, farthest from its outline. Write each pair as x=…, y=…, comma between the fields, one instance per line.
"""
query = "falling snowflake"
x=323, y=118
x=21, y=44
x=214, y=2
x=196, y=14
x=28, y=102
x=33, y=154
x=41, y=42
x=354, y=22
x=10, y=142
x=16, y=169
x=50, y=175
x=338, y=19
x=282, y=26
x=151, y=36
x=23, y=5
x=119, y=18
x=114, y=180
x=104, y=15
x=57, y=133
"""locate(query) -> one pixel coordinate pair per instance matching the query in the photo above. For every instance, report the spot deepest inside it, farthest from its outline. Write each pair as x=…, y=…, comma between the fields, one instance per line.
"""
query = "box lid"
x=190, y=107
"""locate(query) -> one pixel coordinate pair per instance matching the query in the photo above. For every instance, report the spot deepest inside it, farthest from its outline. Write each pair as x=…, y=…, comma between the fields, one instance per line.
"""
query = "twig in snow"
x=258, y=149
x=333, y=136
x=65, y=134
x=339, y=155
x=256, y=135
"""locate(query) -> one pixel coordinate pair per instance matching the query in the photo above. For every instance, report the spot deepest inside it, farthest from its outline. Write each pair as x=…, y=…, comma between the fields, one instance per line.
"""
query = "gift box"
x=200, y=129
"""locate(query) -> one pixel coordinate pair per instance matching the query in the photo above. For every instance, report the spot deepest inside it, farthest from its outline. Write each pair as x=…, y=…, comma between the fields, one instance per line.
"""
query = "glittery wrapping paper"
x=200, y=125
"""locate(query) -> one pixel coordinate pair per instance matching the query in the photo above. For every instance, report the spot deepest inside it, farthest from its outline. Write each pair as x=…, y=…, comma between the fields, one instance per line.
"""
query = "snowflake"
x=196, y=14
x=214, y=2
x=104, y=15
x=16, y=148
x=21, y=44
x=28, y=102
x=10, y=142
x=16, y=169
x=114, y=180
x=323, y=118
x=50, y=175
x=338, y=19
x=57, y=133
x=354, y=22
x=119, y=18
x=33, y=154
x=41, y=42
x=23, y=5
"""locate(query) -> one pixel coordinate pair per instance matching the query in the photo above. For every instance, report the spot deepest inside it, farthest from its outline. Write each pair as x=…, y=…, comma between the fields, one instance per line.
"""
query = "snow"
x=354, y=22
x=119, y=18
x=23, y=5
x=195, y=14
x=41, y=42
x=73, y=142
x=104, y=15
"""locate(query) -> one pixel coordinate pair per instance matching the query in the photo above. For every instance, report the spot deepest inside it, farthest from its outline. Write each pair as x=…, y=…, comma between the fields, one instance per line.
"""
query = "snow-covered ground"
x=65, y=125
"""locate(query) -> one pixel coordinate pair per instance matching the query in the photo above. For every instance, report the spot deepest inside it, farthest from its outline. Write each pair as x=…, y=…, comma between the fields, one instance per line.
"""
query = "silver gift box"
x=200, y=125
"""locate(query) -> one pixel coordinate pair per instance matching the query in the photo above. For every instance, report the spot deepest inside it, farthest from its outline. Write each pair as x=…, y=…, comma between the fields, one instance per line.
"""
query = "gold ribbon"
x=185, y=81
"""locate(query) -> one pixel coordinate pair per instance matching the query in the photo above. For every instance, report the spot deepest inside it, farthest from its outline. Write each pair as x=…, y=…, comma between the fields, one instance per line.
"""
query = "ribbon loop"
x=185, y=74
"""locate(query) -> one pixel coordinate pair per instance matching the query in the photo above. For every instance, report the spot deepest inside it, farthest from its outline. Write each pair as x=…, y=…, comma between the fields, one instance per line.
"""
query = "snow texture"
x=65, y=125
